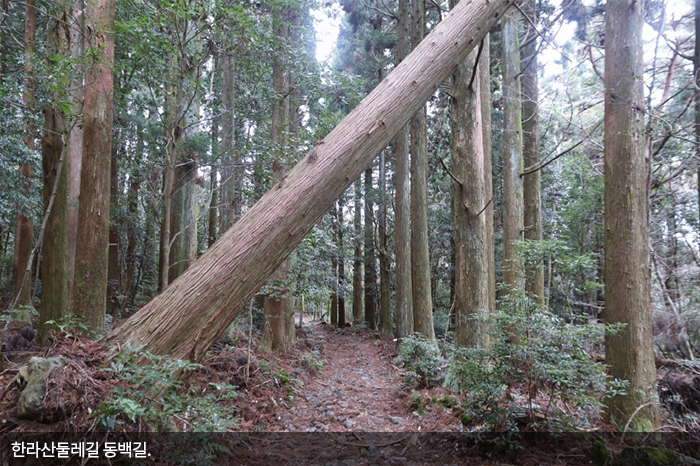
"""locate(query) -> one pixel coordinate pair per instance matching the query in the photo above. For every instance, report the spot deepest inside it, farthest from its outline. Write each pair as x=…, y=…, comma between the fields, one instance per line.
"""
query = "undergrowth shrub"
x=152, y=394
x=538, y=372
x=422, y=362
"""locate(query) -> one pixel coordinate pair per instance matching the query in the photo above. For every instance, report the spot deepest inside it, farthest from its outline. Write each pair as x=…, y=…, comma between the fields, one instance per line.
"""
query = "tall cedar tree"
x=534, y=283
x=420, y=259
x=90, y=291
x=402, y=230
x=630, y=352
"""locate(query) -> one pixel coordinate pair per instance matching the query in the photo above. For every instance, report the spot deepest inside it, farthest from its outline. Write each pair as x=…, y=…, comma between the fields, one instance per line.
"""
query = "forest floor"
x=334, y=399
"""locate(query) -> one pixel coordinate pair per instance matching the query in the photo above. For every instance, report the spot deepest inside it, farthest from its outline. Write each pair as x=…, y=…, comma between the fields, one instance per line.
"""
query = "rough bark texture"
x=76, y=139
x=387, y=325
x=357, y=316
x=113, y=270
x=534, y=283
x=54, y=294
x=341, y=265
x=629, y=353
x=469, y=200
x=370, y=270
x=484, y=76
x=512, y=155
x=402, y=230
x=420, y=259
x=24, y=235
x=183, y=223
x=89, y=294
x=228, y=142
x=191, y=313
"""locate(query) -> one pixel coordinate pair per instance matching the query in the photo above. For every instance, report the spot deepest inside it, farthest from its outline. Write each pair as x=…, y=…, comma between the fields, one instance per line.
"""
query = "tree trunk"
x=370, y=270
x=334, y=268
x=90, y=289
x=469, y=201
x=402, y=230
x=189, y=315
x=387, y=324
x=76, y=139
x=24, y=237
x=54, y=294
x=512, y=154
x=629, y=353
x=357, y=315
x=183, y=223
x=484, y=76
x=280, y=141
x=113, y=269
x=228, y=139
x=341, y=265
x=420, y=259
x=696, y=93
x=534, y=283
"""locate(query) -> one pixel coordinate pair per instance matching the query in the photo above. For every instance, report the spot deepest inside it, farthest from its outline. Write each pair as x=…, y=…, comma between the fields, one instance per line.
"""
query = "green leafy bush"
x=422, y=362
x=538, y=372
x=152, y=394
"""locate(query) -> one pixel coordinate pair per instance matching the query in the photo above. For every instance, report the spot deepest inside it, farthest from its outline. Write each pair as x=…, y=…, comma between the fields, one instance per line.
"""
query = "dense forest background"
x=214, y=101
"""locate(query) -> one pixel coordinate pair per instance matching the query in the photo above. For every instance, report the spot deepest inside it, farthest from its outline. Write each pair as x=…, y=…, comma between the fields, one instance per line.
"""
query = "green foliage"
x=538, y=372
x=422, y=362
x=151, y=392
x=72, y=324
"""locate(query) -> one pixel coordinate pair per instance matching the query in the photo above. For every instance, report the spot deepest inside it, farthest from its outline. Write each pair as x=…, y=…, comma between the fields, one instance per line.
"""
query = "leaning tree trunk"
x=630, y=352
x=187, y=317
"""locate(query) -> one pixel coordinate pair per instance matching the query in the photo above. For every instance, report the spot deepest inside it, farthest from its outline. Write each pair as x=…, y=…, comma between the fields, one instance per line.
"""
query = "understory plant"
x=421, y=361
x=539, y=371
x=152, y=393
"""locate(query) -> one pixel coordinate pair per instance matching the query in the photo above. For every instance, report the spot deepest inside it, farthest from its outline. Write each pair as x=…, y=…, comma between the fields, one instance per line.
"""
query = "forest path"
x=357, y=389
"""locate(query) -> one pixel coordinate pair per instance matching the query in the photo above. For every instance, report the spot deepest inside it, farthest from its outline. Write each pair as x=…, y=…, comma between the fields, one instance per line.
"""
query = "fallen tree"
x=187, y=317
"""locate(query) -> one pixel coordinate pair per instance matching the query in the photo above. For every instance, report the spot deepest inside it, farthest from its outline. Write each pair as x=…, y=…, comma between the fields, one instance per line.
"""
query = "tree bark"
x=113, y=269
x=402, y=230
x=76, y=139
x=629, y=353
x=189, y=315
x=387, y=325
x=420, y=259
x=90, y=291
x=24, y=237
x=534, y=283
x=484, y=76
x=513, y=227
x=370, y=270
x=469, y=201
x=228, y=139
x=54, y=295
x=357, y=315
x=341, y=265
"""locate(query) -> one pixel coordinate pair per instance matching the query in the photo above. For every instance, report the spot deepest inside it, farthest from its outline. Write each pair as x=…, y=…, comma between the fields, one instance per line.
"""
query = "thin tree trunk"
x=357, y=315
x=334, y=268
x=420, y=259
x=387, y=325
x=402, y=230
x=534, y=283
x=370, y=270
x=341, y=265
x=512, y=153
x=54, y=295
x=630, y=352
x=90, y=291
x=228, y=139
x=188, y=316
x=484, y=76
x=113, y=269
x=76, y=139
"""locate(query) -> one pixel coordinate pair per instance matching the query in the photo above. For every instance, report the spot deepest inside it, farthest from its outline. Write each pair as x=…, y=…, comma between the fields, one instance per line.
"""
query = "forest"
x=485, y=213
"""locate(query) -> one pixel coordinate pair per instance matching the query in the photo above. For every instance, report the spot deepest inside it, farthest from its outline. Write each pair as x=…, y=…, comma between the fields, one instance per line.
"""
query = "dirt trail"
x=357, y=390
